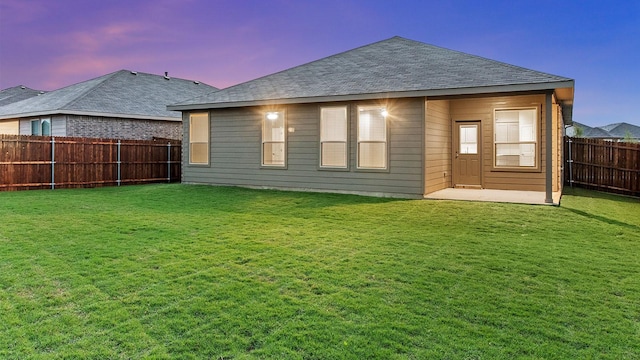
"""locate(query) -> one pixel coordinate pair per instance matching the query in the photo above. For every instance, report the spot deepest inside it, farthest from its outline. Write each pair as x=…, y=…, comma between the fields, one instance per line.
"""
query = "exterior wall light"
x=384, y=113
x=272, y=115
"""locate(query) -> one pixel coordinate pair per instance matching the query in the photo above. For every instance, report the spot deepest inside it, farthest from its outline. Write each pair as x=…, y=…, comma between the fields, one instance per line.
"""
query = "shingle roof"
x=598, y=133
x=621, y=130
x=17, y=93
x=611, y=131
x=123, y=93
x=393, y=68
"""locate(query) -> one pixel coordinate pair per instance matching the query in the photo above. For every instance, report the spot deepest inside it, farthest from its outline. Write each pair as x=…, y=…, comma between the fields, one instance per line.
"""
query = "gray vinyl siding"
x=59, y=125
x=25, y=126
x=236, y=140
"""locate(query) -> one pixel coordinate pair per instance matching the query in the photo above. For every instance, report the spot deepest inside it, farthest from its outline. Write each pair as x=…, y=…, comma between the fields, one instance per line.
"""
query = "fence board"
x=603, y=165
x=29, y=162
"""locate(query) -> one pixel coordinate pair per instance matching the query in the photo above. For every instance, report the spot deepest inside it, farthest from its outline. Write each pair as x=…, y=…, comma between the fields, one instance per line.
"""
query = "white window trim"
x=345, y=142
x=536, y=142
x=386, y=138
x=40, y=122
x=265, y=118
x=208, y=142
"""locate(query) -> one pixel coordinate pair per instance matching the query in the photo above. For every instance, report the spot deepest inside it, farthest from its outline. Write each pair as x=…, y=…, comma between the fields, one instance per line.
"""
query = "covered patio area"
x=505, y=196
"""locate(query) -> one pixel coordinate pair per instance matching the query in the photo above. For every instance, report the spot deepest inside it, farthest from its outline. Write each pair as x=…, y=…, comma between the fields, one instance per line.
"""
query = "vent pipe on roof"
x=196, y=82
x=22, y=87
x=166, y=75
x=134, y=73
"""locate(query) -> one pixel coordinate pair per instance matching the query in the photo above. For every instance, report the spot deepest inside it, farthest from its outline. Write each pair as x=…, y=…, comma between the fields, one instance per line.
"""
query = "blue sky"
x=50, y=44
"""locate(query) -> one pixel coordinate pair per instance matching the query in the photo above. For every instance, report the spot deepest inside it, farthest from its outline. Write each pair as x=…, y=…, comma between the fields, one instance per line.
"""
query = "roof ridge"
x=86, y=92
x=403, y=39
x=170, y=77
x=311, y=62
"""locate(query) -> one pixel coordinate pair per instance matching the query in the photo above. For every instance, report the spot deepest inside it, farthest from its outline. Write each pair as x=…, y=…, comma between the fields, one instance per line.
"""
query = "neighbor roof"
x=395, y=67
x=123, y=93
x=588, y=131
x=621, y=130
x=17, y=93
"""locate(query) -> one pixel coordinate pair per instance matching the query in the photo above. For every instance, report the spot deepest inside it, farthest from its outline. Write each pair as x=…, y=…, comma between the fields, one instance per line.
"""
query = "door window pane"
x=468, y=139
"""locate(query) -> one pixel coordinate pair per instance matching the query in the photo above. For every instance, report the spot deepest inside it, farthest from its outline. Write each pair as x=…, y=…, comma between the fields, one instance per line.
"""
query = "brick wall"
x=122, y=128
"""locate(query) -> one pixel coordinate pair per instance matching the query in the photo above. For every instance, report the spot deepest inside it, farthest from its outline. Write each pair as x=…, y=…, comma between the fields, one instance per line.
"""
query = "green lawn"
x=177, y=271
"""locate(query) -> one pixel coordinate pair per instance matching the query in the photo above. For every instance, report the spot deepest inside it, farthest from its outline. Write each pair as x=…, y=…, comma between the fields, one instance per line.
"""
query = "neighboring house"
x=623, y=131
x=613, y=132
x=121, y=105
x=17, y=93
x=395, y=118
x=11, y=95
x=581, y=130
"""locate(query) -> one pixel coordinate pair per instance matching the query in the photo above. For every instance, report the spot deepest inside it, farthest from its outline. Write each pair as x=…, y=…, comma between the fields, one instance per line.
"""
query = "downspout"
x=548, y=117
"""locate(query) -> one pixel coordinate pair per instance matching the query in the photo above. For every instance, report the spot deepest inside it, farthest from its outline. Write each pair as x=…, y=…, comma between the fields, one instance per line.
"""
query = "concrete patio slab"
x=506, y=196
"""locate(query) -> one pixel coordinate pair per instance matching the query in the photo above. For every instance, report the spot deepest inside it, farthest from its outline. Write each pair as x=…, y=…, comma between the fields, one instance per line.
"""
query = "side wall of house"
x=122, y=128
x=437, y=146
x=235, y=151
x=482, y=108
x=10, y=127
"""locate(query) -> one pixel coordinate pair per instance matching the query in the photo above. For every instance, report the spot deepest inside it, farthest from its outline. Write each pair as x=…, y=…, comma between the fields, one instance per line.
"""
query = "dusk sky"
x=48, y=44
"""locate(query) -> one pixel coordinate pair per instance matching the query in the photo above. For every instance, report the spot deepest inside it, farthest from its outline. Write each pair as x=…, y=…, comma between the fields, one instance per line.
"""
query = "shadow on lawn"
x=604, y=219
x=605, y=197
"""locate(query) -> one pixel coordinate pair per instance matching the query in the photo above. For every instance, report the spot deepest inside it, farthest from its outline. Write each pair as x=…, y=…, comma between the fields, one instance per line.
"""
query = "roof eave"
x=387, y=95
x=88, y=113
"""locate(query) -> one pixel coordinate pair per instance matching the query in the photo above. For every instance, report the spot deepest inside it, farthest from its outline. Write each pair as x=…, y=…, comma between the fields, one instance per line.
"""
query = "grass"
x=177, y=271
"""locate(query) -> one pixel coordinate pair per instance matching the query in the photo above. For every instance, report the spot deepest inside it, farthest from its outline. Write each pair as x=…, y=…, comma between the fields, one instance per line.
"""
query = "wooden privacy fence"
x=40, y=162
x=603, y=165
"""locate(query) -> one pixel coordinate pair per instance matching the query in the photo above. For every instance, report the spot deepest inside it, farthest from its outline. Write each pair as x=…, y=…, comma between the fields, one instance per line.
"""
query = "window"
x=372, y=138
x=273, y=139
x=333, y=137
x=199, y=138
x=468, y=139
x=516, y=138
x=41, y=127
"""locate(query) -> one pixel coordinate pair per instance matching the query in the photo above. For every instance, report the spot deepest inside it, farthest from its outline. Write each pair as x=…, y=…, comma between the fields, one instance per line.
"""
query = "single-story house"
x=396, y=118
x=121, y=105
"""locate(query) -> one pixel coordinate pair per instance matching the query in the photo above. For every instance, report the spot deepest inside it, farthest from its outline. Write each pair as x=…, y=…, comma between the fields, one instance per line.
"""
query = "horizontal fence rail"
x=41, y=162
x=603, y=165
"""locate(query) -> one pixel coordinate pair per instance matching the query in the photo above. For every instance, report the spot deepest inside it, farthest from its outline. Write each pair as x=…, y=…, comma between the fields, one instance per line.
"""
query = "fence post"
x=169, y=161
x=570, y=161
x=118, y=162
x=53, y=163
